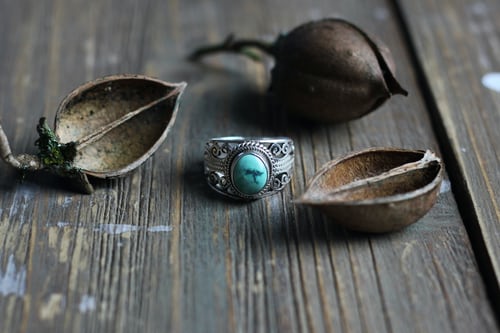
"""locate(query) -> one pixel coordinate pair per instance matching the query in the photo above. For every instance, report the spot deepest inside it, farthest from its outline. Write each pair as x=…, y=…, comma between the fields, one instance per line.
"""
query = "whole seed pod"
x=105, y=128
x=376, y=190
x=328, y=70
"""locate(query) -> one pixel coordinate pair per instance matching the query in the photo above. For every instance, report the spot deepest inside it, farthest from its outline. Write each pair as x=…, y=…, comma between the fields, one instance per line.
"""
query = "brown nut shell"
x=117, y=122
x=332, y=71
x=376, y=190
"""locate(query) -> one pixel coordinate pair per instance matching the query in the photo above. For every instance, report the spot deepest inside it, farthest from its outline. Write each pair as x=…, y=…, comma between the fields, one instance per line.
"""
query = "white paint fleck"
x=463, y=149
x=67, y=201
x=87, y=304
x=407, y=250
x=13, y=280
x=491, y=81
x=22, y=199
x=62, y=224
x=117, y=229
x=53, y=306
x=445, y=186
x=160, y=228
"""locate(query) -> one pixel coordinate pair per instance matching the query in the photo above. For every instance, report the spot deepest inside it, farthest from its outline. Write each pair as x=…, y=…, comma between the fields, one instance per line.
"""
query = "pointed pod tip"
x=179, y=87
x=394, y=86
x=399, y=90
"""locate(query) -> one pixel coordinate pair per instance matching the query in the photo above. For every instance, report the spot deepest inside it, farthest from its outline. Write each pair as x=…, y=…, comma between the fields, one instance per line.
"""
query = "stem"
x=237, y=46
x=21, y=162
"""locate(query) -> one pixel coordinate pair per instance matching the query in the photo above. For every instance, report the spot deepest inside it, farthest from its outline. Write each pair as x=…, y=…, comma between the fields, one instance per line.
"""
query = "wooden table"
x=158, y=251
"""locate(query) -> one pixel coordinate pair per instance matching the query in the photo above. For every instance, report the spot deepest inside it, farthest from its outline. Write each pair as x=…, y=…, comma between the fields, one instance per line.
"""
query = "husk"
x=104, y=128
x=376, y=190
x=331, y=70
x=140, y=109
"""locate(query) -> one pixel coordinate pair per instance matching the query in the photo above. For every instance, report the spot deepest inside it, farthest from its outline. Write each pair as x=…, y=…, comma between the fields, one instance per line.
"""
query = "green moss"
x=53, y=154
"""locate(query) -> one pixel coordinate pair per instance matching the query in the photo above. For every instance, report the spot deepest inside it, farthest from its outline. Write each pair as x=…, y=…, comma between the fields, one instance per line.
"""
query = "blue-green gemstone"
x=250, y=174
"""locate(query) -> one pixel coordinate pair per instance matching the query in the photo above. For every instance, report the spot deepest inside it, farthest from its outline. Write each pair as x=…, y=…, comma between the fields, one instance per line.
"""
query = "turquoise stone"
x=249, y=174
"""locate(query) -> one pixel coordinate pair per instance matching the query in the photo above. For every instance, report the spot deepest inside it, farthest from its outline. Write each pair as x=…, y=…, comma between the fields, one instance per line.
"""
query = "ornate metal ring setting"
x=247, y=167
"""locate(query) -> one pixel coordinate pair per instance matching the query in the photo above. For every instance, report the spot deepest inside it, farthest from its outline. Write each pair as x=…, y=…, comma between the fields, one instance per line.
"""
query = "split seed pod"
x=376, y=190
x=105, y=128
x=328, y=70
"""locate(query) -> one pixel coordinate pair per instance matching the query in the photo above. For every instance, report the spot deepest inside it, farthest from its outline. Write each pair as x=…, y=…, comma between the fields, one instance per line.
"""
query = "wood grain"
x=457, y=44
x=158, y=251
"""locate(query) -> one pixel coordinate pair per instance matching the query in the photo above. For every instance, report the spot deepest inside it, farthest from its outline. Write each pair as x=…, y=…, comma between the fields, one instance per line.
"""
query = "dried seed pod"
x=330, y=70
x=327, y=70
x=376, y=190
x=105, y=128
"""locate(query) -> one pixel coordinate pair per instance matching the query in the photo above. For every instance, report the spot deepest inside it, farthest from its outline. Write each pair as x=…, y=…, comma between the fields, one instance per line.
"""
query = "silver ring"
x=248, y=167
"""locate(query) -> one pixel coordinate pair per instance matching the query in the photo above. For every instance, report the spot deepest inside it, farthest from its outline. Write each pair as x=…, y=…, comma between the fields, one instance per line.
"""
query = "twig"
x=21, y=162
x=241, y=46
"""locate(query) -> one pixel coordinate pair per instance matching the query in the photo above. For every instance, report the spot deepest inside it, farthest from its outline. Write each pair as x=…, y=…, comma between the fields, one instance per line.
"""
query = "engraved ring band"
x=248, y=168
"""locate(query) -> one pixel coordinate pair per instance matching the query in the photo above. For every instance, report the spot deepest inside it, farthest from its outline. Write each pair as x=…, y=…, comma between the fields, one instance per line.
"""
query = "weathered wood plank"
x=457, y=44
x=158, y=251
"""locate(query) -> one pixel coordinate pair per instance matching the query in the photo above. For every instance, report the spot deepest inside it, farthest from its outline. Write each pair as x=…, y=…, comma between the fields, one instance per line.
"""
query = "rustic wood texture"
x=457, y=44
x=158, y=251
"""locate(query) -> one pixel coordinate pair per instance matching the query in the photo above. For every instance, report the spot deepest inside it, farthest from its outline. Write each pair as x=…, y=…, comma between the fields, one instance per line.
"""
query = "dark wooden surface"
x=159, y=252
x=456, y=58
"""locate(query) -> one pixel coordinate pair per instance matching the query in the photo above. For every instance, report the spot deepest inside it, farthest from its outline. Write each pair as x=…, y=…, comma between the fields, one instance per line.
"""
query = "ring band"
x=248, y=167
